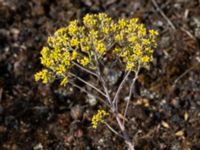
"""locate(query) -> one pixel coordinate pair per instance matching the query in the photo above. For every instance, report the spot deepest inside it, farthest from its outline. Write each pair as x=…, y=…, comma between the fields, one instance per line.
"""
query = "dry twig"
x=163, y=15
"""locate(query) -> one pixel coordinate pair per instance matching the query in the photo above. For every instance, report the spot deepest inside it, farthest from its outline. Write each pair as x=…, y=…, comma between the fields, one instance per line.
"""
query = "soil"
x=165, y=111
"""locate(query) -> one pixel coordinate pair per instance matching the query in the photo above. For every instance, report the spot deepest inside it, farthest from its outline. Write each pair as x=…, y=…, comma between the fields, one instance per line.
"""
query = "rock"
x=91, y=100
x=14, y=33
x=197, y=32
x=76, y=112
x=112, y=75
x=78, y=133
x=39, y=146
x=165, y=41
x=38, y=110
x=158, y=23
x=175, y=145
x=196, y=23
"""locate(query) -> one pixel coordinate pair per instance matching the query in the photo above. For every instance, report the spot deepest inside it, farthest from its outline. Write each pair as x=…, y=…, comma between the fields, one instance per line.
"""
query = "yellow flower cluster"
x=99, y=35
x=99, y=117
x=135, y=43
x=44, y=75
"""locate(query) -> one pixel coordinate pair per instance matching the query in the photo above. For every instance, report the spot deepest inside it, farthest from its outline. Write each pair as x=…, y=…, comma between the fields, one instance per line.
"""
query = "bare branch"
x=113, y=130
x=125, y=134
x=115, y=100
x=89, y=84
x=163, y=15
x=184, y=73
x=103, y=81
x=188, y=33
x=85, y=69
x=85, y=91
x=130, y=92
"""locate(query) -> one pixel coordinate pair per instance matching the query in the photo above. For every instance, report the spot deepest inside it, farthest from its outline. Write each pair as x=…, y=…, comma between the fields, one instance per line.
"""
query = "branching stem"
x=85, y=69
x=89, y=84
x=130, y=92
x=85, y=91
x=113, y=130
x=115, y=100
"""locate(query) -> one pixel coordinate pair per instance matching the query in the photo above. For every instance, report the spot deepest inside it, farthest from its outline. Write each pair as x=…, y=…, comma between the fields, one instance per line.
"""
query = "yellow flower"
x=113, y=27
x=119, y=37
x=84, y=40
x=124, y=54
x=153, y=32
x=85, y=48
x=74, y=55
x=60, y=69
x=100, y=47
x=133, y=21
x=42, y=75
x=61, y=32
x=130, y=66
x=102, y=16
x=99, y=117
x=145, y=59
x=73, y=27
x=74, y=42
x=141, y=30
x=84, y=61
x=116, y=50
x=146, y=42
x=149, y=51
x=105, y=30
x=122, y=23
x=96, y=36
x=132, y=39
x=64, y=81
x=89, y=20
x=93, y=34
x=50, y=40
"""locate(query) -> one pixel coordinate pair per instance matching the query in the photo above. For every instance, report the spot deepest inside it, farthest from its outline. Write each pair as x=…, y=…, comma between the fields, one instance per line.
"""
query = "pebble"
x=91, y=100
x=76, y=112
x=39, y=146
x=111, y=75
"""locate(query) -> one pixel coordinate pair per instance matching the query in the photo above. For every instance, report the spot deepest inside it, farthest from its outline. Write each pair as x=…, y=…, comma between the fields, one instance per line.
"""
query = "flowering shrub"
x=125, y=40
x=91, y=44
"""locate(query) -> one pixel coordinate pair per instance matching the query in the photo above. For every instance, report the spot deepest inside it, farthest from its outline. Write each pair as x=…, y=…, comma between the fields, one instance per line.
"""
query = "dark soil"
x=165, y=112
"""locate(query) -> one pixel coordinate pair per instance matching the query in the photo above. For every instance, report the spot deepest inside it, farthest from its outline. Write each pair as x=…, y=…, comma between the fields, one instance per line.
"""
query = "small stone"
x=158, y=23
x=88, y=3
x=186, y=116
x=165, y=124
x=197, y=32
x=101, y=141
x=14, y=147
x=78, y=133
x=76, y=112
x=39, y=146
x=175, y=102
x=197, y=21
x=15, y=33
x=112, y=76
x=179, y=133
x=175, y=145
x=165, y=41
x=40, y=110
x=91, y=100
